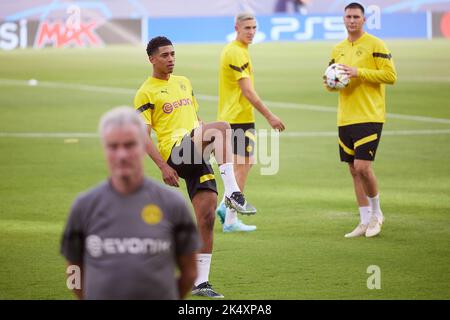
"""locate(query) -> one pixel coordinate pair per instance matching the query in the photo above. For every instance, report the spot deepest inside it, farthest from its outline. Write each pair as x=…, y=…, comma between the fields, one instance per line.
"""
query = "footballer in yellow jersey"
x=363, y=100
x=367, y=61
x=235, y=64
x=168, y=106
x=237, y=101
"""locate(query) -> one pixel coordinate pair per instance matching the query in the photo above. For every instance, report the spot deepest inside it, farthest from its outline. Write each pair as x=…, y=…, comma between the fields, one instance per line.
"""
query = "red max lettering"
x=445, y=25
x=59, y=35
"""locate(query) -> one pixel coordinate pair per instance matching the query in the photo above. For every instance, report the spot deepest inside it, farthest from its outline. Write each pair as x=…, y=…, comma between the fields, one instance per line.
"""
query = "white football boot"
x=374, y=227
x=360, y=230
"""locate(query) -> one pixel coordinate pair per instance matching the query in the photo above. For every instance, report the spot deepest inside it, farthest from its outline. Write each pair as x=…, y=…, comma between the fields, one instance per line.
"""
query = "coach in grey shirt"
x=129, y=234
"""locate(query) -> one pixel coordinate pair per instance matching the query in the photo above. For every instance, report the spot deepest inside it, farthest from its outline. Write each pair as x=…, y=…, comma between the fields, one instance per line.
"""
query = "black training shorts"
x=243, y=139
x=359, y=141
x=191, y=166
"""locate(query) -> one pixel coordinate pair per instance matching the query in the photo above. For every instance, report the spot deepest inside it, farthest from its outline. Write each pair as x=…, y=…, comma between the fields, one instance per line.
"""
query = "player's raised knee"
x=222, y=126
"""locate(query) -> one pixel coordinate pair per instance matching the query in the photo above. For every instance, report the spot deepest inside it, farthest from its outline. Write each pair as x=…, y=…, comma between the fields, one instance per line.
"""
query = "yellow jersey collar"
x=240, y=44
x=361, y=39
x=156, y=80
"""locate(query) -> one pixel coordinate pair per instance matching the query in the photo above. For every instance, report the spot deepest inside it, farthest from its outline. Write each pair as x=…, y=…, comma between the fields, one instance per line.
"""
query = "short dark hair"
x=355, y=5
x=157, y=42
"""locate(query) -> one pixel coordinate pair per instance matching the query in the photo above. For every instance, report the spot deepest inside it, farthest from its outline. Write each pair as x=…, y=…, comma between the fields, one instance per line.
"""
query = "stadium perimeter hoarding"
x=289, y=27
x=441, y=25
x=39, y=34
x=92, y=33
x=136, y=9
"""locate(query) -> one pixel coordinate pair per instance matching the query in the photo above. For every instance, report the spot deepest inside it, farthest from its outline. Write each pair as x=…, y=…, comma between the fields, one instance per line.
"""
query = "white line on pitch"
x=384, y=133
x=297, y=134
x=48, y=135
x=273, y=104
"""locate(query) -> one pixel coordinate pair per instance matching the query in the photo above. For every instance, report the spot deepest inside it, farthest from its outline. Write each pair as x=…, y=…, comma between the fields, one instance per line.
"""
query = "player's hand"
x=325, y=83
x=351, y=72
x=276, y=123
x=170, y=176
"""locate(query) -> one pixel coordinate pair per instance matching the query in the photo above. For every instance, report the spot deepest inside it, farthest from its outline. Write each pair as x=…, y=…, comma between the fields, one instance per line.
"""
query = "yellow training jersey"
x=364, y=99
x=170, y=108
x=235, y=64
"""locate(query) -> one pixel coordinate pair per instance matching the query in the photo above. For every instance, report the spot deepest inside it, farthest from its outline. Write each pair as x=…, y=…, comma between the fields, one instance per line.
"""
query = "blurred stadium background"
x=88, y=56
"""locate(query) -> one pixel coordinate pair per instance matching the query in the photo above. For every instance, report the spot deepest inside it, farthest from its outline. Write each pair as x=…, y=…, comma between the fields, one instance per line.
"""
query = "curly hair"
x=157, y=42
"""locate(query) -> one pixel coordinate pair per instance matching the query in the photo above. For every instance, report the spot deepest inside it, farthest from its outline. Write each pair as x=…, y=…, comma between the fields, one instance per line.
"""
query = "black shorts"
x=359, y=141
x=190, y=166
x=243, y=139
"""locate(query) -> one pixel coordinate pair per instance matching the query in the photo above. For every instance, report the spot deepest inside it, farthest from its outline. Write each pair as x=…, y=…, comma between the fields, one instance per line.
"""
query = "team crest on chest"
x=151, y=214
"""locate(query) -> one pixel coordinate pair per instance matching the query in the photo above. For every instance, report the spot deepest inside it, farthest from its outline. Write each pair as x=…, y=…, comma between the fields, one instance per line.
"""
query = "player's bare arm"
x=248, y=92
x=169, y=175
x=188, y=273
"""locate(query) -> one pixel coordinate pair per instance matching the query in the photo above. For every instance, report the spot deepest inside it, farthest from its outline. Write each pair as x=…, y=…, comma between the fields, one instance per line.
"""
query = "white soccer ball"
x=335, y=77
x=32, y=82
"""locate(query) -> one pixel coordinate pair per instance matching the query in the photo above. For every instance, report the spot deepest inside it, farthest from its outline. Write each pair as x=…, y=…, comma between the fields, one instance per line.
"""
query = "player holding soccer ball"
x=368, y=63
x=336, y=77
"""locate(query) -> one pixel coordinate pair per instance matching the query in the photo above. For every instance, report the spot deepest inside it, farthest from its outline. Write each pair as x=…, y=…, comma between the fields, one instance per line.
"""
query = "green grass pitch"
x=298, y=251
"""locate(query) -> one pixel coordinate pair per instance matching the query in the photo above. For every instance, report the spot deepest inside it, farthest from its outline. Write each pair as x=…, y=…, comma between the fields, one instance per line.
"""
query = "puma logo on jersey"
x=371, y=153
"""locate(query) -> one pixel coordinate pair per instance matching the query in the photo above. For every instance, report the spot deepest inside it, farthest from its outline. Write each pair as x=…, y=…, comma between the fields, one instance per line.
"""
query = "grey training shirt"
x=128, y=244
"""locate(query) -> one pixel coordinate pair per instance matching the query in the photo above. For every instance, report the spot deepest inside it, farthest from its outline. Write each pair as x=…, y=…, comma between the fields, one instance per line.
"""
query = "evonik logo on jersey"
x=97, y=246
x=168, y=107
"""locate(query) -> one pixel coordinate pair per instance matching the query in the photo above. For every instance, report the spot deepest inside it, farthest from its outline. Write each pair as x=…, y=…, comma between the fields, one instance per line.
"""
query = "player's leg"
x=347, y=154
x=364, y=171
x=243, y=142
x=216, y=137
x=232, y=223
x=358, y=185
x=202, y=189
x=365, y=150
x=242, y=167
x=366, y=177
x=363, y=204
x=204, y=203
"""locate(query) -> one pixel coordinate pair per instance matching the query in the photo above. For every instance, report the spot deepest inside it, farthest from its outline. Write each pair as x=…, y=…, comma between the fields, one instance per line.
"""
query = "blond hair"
x=119, y=117
x=244, y=17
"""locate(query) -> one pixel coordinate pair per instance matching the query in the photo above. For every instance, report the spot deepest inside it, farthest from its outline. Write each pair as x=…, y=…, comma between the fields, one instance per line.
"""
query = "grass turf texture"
x=298, y=251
